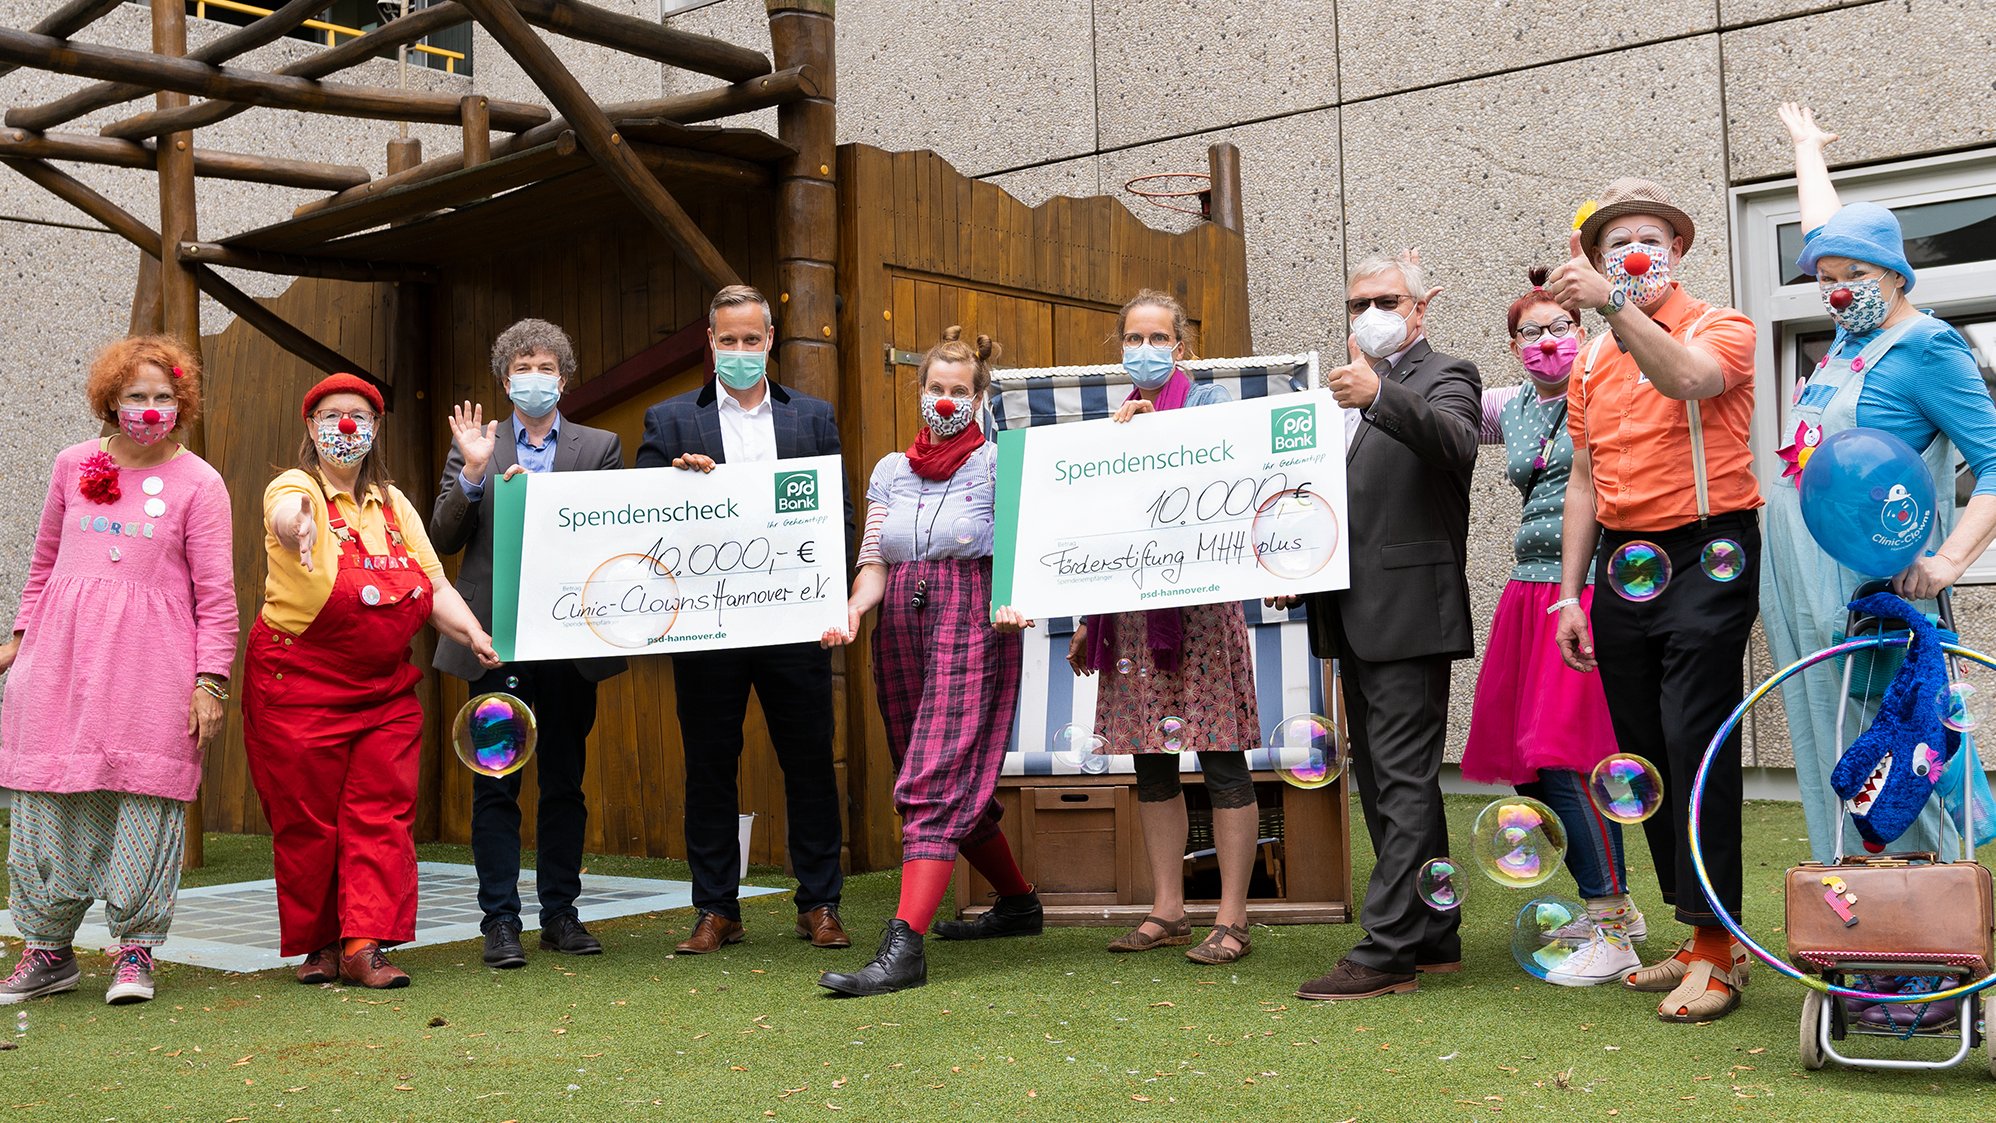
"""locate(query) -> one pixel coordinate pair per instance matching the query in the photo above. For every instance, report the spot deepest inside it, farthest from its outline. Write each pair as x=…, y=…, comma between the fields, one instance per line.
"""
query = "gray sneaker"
x=131, y=980
x=40, y=972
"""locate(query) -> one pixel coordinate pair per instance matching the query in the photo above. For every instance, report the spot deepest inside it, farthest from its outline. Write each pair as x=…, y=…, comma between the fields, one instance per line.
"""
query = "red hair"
x=118, y=363
x=1537, y=274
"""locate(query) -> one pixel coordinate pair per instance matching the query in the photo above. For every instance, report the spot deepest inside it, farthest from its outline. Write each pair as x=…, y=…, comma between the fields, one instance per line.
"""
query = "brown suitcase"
x=1891, y=909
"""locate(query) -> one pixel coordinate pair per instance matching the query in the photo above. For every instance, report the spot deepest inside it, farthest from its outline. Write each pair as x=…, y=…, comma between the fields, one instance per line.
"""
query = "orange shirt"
x=1639, y=441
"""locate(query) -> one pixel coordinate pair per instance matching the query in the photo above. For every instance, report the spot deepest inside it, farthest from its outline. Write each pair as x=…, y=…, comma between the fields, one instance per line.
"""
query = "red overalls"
x=334, y=733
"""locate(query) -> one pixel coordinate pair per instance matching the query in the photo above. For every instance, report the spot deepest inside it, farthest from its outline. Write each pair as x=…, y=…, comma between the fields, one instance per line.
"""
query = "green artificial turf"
x=1048, y=1029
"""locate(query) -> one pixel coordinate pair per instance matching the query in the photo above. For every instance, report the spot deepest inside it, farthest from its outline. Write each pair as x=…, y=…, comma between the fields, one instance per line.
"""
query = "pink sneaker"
x=132, y=979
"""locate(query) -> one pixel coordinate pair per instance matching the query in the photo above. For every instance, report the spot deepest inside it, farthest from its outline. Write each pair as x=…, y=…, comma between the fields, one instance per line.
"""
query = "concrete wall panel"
x=1166, y=69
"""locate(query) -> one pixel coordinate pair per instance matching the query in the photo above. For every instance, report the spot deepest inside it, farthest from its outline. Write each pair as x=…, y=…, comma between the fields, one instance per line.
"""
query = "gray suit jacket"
x=461, y=523
x=1408, y=470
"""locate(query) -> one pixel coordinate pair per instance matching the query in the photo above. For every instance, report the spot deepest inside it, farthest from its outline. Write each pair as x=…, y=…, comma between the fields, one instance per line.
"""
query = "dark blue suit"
x=793, y=682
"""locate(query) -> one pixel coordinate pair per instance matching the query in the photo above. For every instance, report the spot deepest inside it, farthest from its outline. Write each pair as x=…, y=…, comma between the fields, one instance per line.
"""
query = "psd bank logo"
x=1293, y=429
x=796, y=491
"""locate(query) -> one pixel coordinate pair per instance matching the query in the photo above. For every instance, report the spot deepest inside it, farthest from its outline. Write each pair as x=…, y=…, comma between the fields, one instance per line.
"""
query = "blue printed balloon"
x=1868, y=500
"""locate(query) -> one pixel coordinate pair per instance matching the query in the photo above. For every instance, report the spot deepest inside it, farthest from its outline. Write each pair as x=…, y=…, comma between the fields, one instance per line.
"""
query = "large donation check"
x=660, y=560
x=1195, y=506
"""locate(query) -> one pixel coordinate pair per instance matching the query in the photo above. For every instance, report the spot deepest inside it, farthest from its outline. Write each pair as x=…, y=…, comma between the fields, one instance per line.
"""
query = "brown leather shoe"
x=710, y=933
x=1350, y=980
x=821, y=927
x=369, y=968
x=1444, y=967
x=322, y=966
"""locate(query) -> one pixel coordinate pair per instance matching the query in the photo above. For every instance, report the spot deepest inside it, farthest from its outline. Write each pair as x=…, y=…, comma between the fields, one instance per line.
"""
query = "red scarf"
x=938, y=460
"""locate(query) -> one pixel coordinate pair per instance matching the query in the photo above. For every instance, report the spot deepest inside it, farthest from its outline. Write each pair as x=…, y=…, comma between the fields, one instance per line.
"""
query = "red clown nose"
x=150, y=417
x=1841, y=298
x=1548, y=344
x=945, y=408
x=1636, y=264
x=347, y=426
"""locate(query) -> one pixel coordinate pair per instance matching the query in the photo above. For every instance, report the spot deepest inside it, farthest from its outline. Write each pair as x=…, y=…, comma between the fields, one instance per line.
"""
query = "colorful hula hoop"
x=1712, y=752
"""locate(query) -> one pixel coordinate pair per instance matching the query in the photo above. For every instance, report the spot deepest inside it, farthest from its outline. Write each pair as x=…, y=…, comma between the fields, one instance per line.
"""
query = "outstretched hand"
x=1802, y=128
x=302, y=533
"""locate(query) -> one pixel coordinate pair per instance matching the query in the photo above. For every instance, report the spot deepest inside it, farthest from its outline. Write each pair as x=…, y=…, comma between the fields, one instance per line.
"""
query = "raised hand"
x=1575, y=283
x=300, y=531
x=1355, y=385
x=1802, y=127
x=474, y=438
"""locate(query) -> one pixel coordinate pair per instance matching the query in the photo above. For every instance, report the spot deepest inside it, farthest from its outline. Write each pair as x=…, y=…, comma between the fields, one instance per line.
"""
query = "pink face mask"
x=147, y=425
x=1549, y=364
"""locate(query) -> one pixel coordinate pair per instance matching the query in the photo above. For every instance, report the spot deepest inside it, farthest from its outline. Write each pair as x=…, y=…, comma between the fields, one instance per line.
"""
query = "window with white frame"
x=1946, y=206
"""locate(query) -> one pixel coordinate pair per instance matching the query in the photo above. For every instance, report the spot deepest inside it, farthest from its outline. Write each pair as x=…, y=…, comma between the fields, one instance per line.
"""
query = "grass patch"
x=1050, y=1028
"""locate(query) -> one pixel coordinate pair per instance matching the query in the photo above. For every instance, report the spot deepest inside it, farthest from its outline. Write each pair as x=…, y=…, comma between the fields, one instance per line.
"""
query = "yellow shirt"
x=292, y=596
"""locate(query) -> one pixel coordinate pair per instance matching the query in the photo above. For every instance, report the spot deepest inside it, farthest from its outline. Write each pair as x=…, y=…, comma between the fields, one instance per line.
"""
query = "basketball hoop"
x=1159, y=188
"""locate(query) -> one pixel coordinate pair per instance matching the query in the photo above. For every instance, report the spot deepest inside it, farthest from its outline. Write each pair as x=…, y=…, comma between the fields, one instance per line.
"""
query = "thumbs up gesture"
x=300, y=531
x=1355, y=385
x=1576, y=283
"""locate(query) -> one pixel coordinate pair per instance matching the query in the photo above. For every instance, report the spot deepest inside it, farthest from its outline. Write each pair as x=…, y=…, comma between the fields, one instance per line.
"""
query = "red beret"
x=343, y=384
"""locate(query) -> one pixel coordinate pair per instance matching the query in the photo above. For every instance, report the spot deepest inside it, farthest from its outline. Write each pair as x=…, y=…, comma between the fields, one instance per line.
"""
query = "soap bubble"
x=1723, y=559
x=494, y=734
x=1171, y=733
x=1518, y=842
x=1295, y=533
x=1534, y=942
x=1955, y=713
x=1639, y=570
x=1440, y=884
x=1125, y=666
x=965, y=530
x=1626, y=788
x=1075, y=746
x=631, y=600
x=1304, y=750
x=512, y=682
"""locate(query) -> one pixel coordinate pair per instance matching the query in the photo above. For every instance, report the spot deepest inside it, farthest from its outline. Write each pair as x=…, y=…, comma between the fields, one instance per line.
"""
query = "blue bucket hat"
x=1863, y=232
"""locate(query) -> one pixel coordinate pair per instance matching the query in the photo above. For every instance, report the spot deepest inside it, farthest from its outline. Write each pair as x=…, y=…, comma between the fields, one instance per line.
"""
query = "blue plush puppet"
x=1889, y=772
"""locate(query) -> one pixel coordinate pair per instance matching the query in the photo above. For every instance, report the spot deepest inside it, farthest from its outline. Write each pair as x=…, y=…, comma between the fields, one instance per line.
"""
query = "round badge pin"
x=370, y=595
x=153, y=485
x=155, y=508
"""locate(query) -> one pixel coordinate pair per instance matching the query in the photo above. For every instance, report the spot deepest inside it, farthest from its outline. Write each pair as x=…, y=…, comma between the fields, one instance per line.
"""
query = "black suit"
x=1397, y=629
x=792, y=681
x=562, y=693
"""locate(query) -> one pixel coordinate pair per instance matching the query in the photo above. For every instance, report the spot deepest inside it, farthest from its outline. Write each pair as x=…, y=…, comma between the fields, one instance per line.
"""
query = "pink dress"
x=125, y=603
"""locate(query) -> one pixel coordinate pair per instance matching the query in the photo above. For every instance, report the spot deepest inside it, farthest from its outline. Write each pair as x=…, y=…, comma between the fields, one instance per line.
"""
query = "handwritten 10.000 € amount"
x=662, y=560
x=1196, y=506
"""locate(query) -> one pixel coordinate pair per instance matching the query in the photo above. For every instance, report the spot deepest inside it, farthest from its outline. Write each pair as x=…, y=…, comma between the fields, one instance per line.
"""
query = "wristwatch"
x=1616, y=299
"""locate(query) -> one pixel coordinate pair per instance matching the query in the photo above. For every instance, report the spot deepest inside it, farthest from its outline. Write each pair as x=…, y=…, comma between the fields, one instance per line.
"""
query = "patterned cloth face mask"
x=1640, y=271
x=1857, y=306
x=147, y=424
x=344, y=441
x=947, y=422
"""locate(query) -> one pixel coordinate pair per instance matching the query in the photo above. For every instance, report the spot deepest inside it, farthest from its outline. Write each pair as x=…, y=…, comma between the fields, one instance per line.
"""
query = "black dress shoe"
x=898, y=965
x=502, y=946
x=1008, y=916
x=566, y=935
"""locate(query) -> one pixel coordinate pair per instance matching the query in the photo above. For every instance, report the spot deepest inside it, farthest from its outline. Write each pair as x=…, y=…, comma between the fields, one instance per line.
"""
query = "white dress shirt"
x=747, y=435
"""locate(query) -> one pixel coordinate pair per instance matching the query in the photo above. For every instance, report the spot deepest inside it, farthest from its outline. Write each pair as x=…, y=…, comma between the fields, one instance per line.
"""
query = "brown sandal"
x=1695, y=1001
x=1214, y=952
x=1176, y=933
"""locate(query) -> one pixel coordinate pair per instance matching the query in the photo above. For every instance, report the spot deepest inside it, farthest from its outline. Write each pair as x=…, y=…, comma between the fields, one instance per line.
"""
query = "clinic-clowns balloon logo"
x=1868, y=500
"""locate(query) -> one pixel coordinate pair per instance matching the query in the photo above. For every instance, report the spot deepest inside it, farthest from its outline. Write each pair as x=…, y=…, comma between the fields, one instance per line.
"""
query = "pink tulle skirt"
x=1532, y=711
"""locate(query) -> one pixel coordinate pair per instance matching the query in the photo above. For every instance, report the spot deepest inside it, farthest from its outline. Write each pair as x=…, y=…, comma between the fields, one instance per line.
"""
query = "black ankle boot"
x=1008, y=916
x=898, y=965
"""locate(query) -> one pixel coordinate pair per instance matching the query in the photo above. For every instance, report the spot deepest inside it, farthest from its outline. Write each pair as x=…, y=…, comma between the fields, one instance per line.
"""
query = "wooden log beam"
x=600, y=139
x=269, y=29
x=1223, y=165
x=304, y=265
x=807, y=205
x=382, y=40
x=186, y=76
x=477, y=131
x=295, y=234
x=68, y=20
x=743, y=97
x=644, y=38
x=148, y=312
x=208, y=163
x=121, y=222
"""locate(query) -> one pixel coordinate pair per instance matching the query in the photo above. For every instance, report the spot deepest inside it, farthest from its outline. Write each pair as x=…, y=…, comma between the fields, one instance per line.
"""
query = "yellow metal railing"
x=333, y=30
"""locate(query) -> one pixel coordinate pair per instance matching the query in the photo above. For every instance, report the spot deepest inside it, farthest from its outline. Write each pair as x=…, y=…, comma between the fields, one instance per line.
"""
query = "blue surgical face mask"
x=1149, y=365
x=534, y=392
x=740, y=370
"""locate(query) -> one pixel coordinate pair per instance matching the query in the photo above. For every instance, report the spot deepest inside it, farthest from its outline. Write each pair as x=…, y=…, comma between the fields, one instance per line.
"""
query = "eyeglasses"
x=1388, y=302
x=334, y=417
x=1156, y=339
x=1530, y=332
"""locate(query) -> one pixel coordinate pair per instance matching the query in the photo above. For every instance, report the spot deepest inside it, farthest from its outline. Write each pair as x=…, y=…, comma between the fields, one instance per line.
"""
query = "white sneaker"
x=1581, y=928
x=1604, y=958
